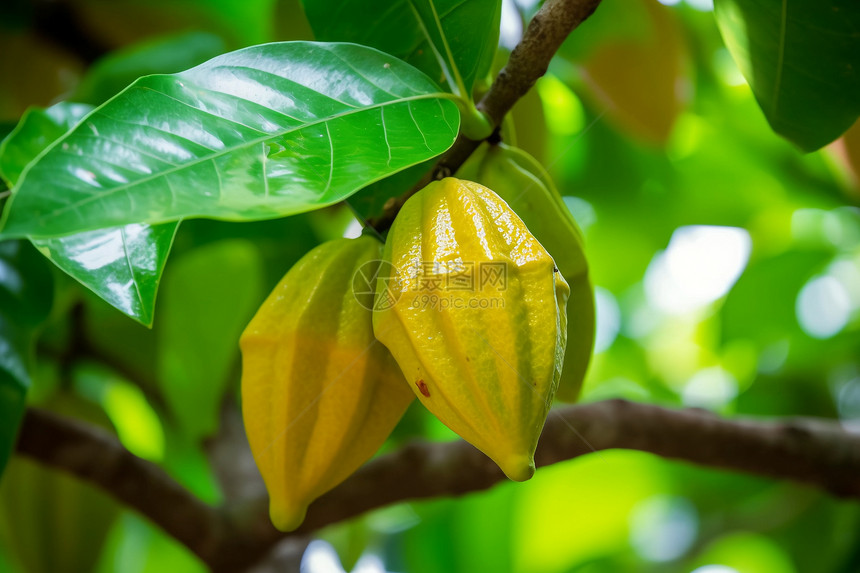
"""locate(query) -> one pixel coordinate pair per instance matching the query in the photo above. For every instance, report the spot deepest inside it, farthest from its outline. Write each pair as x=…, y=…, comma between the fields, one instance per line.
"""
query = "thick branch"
x=95, y=456
x=529, y=61
x=812, y=451
x=817, y=452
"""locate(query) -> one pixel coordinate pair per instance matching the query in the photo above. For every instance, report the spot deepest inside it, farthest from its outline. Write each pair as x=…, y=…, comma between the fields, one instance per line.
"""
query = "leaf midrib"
x=780, y=62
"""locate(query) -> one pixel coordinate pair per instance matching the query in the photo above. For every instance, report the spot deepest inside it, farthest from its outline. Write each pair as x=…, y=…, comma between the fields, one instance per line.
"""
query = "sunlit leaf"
x=255, y=134
x=530, y=126
x=209, y=296
x=598, y=491
x=800, y=58
x=136, y=423
x=452, y=41
x=121, y=264
x=747, y=553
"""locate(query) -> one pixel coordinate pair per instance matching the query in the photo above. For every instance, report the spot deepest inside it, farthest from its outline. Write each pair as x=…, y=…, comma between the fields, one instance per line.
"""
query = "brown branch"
x=812, y=451
x=529, y=61
x=816, y=452
x=95, y=456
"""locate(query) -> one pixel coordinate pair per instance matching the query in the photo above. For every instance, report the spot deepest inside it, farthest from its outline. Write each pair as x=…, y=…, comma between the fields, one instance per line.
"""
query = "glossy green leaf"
x=452, y=41
x=209, y=296
x=121, y=264
x=14, y=381
x=801, y=60
x=26, y=294
x=26, y=285
x=259, y=133
x=165, y=55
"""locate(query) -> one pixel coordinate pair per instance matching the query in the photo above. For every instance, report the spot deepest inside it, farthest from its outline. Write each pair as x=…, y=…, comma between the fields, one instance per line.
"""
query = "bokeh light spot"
x=608, y=317
x=823, y=307
x=663, y=528
x=699, y=266
x=562, y=105
x=711, y=388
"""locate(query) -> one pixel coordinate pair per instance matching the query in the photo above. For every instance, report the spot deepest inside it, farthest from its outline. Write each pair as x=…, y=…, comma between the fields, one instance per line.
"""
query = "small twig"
x=529, y=61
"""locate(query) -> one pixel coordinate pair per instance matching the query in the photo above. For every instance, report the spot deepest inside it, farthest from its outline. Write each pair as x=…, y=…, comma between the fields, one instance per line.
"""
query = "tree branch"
x=816, y=452
x=94, y=455
x=549, y=27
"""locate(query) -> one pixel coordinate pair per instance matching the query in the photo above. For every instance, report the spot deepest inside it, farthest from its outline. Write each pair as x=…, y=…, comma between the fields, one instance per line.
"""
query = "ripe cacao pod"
x=474, y=313
x=526, y=187
x=52, y=522
x=319, y=393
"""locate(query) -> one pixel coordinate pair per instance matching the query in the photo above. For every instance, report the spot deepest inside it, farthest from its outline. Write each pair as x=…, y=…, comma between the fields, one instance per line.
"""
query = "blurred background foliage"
x=727, y=273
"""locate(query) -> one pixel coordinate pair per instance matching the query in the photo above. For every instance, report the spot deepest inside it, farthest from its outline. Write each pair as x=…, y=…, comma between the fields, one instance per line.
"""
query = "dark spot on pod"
x=422, y=387
x=555, y=269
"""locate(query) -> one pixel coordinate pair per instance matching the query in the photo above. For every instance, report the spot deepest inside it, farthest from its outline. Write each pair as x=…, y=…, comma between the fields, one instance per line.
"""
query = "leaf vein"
x=225, y=151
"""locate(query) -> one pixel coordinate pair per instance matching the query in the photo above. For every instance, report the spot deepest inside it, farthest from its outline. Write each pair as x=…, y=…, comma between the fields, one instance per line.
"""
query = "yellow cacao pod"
x=525, y=186
x=319, y=393
x=472, y=308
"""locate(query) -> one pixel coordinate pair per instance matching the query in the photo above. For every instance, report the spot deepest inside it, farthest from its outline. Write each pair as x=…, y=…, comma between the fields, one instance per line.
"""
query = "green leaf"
x=801, y=60
x=164, y=55
x=370, y=201
x=26, y=294
x=37, y=129
x=209, y=296
x=747, y=315
x=14, y=381
x=26, y=285
x=452, y=41
x=260, y=133
x=122, y=265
